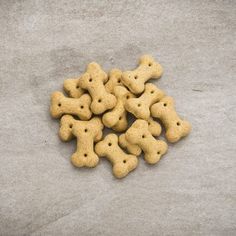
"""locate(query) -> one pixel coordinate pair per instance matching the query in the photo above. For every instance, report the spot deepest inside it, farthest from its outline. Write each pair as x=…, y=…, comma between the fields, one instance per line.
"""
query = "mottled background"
x=192, y=191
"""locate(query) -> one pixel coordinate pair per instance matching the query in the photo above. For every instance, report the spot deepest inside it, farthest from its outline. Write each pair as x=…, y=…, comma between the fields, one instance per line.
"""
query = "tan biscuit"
x=140, y=107
x=114, y=80
x=176, y=128
x=122, y=163
x=117, y=116
x=72, y=88
x=86, y=132
x=131, y=148
x=93, y=81
x=75, y=106
x=147, y=69
x=154, y=128
x=139, y=134
x=66, y=125
x=122, y=124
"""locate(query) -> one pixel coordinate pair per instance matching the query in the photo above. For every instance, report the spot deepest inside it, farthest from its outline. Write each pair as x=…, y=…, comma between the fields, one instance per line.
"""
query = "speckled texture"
x=140, y=135
x=153, y=126
x=61, y=105
x=122, y=162
x=175, y=127
x=191, y=191
x=118, y=114
x=147, y=69
x=129, y=147
x=93, y=81
x=114, y=79
x=87, y=133
x=72, y=88
x=140, y=107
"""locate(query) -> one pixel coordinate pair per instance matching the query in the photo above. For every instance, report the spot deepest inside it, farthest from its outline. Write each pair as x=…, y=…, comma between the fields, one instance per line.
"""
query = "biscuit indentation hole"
x=139, y=105
x=127, y=97
x=81, y=107
x=59, y=104
x=109, y=144
x=118, y=80
x=143, y=136
x=164, y=104
x=150, y=64
x=120, y=118
x=135, y=77
x=90, y=80
x=85, y=154
x=71, y=126
x=86, y=130
x=158, y=153
x=124, y=161
x=152, y=91
x=99, y=100
x=149, y=123
x=77, y=86
x=178, y=123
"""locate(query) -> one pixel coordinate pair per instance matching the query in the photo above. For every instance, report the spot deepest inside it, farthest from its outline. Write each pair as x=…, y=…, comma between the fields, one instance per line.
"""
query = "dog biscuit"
x=147, y=69
x=72, y=88
x=176, y=128
x=86, y=132
x=66, y=125
x=154, y=128
x=93, y=80
x=111, y=98
x=139, y=134
x=114, y=80
x=75, y=106
x=140, y=107
x=117, y=116
x=122, y=163
x=131, y=148
x=122, y=124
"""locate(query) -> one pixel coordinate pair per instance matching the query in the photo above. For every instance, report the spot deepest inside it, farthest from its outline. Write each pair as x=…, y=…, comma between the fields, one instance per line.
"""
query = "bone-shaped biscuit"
x=114, y=80
x=86, y=132
x=72, y=88
x=139, y=134
x=66, y=125
x=140, y=107
x=147, y=69
x=154, y=128
x=75, y=106
x=117, y=116
x=122, y=163
x=122, y=123
x=131, y=148
x=176, y=128
x=93, y=80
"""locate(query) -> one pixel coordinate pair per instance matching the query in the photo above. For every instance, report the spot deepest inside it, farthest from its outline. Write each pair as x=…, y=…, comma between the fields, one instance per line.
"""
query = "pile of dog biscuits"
x=96, y=99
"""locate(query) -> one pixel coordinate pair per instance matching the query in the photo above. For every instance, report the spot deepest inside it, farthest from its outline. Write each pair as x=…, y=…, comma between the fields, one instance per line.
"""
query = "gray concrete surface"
x=192, y=191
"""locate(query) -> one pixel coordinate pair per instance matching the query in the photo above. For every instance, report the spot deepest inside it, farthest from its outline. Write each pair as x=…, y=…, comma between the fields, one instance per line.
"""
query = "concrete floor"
x=192, y=191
